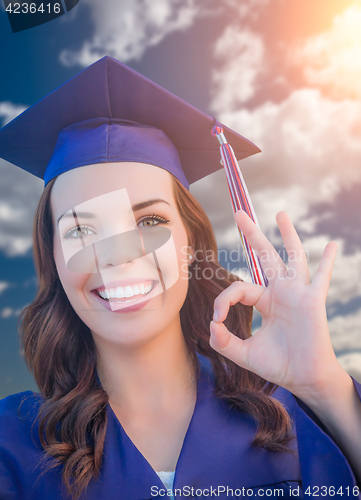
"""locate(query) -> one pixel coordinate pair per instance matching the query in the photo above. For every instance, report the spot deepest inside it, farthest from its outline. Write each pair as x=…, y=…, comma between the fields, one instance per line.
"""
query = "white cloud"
x=126, y=29
x=331, y=60
x=352, y=364
x=9, y=312
x=345, y=282
x=19, y=195
x=311, y=144
x=345, y=331
x=6, y=312
x=307, y=140
x=246, y=8
x=4, y=285
x=311, y=150
x=239, y=54
x=9, y=111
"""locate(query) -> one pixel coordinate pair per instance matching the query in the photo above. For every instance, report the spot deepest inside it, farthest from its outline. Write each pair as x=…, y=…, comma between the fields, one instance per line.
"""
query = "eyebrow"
x=135, y=208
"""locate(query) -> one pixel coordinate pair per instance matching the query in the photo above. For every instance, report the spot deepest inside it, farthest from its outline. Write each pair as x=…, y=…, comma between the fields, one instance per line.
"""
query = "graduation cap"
x=110, y=113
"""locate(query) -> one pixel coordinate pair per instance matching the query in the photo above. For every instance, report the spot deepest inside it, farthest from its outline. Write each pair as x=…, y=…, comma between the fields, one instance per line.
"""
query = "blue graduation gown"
x=216, y=455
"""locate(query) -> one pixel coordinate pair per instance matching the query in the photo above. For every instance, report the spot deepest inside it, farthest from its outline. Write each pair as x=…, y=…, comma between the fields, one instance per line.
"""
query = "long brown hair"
x=60, y=353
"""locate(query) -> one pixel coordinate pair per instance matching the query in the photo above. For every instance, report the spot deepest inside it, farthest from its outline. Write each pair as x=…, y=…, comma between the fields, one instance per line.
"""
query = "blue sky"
x=284, y=74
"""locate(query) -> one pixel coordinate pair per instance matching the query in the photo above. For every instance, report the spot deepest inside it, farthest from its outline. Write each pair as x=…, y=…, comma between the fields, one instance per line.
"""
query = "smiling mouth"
x=122, y=295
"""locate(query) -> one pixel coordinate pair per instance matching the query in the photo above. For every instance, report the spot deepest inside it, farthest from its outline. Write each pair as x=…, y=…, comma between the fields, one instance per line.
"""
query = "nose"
x=119, y=249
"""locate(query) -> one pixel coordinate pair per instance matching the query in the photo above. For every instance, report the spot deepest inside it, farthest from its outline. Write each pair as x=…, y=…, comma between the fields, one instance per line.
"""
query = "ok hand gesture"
x=293, y=347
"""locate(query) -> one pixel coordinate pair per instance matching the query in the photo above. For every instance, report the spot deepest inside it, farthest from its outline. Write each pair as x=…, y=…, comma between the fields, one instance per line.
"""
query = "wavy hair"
x=60, y=353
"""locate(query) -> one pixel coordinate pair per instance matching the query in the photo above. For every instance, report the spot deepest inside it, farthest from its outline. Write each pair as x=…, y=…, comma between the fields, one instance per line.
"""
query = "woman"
x=121, y=329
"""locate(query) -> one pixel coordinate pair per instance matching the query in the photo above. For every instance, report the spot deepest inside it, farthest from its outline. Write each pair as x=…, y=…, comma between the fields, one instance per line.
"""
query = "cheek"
x=180, y=252
x=72, y=282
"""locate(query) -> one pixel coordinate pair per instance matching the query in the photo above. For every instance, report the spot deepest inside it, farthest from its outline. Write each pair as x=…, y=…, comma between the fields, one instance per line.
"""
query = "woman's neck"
x=147, y=376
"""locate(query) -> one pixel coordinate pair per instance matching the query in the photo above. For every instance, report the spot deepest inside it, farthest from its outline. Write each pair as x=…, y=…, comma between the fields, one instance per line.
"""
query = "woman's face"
x=120, y=249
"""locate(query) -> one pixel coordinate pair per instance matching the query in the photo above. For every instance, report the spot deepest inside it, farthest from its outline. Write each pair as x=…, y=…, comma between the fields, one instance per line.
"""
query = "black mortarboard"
x=110, y=113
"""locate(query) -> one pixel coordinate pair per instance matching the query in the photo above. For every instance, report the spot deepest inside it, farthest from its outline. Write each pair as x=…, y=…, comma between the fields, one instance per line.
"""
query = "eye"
x=77, y=232
x=152, y=220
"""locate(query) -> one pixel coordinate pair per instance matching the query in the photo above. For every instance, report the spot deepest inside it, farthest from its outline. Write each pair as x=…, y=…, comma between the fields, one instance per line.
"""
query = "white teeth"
x=128, y=291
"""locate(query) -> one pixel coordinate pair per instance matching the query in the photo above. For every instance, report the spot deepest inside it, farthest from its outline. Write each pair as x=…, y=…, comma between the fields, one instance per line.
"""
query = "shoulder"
x=21, y=452
x=17, y=415
x=19, y=403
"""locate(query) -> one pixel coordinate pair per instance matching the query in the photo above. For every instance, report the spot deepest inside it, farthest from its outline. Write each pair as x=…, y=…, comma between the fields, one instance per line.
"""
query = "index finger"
x=259, y=242
x=239, y=291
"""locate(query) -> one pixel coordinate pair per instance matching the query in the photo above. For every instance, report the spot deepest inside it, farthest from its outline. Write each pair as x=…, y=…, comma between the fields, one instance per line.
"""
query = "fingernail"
x=213, y=341
x=216, y=315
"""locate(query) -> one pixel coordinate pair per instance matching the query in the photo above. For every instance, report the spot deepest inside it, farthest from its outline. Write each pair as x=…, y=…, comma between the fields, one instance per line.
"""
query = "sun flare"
x=332, y=60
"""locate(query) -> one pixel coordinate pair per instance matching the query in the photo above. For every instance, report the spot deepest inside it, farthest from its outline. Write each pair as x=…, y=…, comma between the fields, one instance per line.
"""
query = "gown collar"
x=216, y=451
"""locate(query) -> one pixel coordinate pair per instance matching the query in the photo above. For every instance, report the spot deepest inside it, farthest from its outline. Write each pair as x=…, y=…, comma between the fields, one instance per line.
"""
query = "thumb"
x=227, y=344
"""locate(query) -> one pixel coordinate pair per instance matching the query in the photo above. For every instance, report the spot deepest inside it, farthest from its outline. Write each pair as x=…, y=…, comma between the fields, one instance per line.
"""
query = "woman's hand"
x=293, y=347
